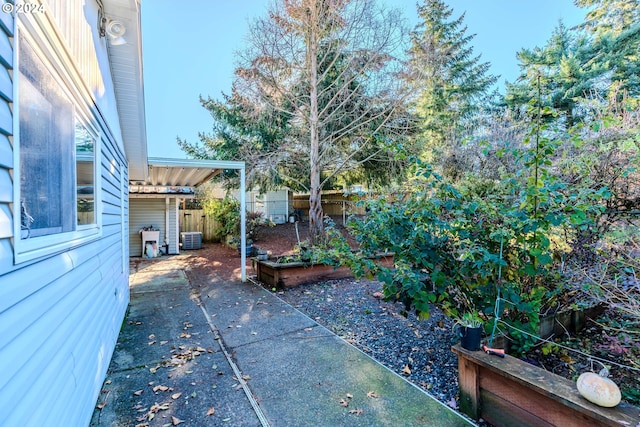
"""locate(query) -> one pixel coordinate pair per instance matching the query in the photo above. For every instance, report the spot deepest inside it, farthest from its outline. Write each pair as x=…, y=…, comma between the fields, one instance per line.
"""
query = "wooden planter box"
x=558, y=324
x=511, y=392
x=289, y=274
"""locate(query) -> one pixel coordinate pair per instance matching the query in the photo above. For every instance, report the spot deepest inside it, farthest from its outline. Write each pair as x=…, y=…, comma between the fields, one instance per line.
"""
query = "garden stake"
x=496, y=308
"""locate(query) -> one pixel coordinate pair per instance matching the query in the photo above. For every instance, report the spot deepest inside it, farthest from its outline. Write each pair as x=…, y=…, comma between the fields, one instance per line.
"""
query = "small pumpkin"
x=598, y=389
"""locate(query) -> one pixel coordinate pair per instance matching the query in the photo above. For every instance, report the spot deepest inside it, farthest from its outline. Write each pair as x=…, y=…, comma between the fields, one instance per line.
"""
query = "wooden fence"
x=196, y=220
x=333, y=204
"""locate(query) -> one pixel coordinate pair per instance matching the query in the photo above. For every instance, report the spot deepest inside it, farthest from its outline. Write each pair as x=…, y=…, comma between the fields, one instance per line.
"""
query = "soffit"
x=127, y=73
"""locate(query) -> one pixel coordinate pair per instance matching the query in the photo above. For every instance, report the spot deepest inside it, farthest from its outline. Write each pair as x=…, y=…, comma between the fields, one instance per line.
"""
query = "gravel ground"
x=419, y=350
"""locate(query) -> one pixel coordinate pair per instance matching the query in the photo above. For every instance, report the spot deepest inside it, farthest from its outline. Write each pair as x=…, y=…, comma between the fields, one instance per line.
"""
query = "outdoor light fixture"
x=114, y=30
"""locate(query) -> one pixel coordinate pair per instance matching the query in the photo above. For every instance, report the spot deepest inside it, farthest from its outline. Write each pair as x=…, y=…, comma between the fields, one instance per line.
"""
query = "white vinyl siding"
x=145, y=212
x=6, y=149
x=61, y=311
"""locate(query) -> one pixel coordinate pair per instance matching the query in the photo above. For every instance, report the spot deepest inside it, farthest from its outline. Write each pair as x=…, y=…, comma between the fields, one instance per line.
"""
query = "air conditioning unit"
x=191, y=240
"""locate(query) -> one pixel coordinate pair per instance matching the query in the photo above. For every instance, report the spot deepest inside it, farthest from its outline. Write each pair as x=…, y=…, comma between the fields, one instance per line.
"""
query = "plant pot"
x=248, y=250
x=470, y=337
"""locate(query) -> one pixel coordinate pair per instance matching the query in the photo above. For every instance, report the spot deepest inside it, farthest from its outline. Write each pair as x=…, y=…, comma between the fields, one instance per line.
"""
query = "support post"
x=243, y=226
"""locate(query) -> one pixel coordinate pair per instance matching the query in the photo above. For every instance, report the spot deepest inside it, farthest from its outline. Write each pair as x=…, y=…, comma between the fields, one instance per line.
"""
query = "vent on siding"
x=191, y=240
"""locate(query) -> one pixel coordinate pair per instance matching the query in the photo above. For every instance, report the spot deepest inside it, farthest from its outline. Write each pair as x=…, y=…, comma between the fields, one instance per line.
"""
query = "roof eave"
x=127, y=72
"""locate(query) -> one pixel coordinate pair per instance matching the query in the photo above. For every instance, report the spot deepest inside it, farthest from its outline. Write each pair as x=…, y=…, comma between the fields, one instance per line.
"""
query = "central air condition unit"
x=191, y=240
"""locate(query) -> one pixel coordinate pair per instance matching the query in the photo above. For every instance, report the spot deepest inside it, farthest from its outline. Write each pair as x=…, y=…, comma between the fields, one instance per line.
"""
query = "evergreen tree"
x=564, y=68
x=448, y=79
x=609, y=16
x=615, y=26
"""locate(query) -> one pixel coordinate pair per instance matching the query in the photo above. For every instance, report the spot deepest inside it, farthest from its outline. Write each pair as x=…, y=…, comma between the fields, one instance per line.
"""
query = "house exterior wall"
x=145, y=212
x=6, y=149
x=61, y=309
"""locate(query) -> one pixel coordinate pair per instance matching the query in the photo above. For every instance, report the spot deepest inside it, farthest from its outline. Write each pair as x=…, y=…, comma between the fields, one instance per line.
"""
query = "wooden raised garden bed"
x=289, y=274
x=511, y=392
x=558, y=324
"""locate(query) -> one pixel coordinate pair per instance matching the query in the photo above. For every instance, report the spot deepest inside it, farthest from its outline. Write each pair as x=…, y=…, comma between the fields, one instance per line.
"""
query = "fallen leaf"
x=175, y=421
x=211, y=411
x=378, y=295
x=344, y=403
x=246, y=377
x=163, y=342
x=406, y=370
x=452, y=403
x=142, y=425
x=152, y=337
x=194, y=394
x=160, y=388
x=357, y=411
x=349, y=396
x=137, y=393
x=156, y=408
x=176, y=395
x=107, y=382
x=372, y=394
x=183, y=335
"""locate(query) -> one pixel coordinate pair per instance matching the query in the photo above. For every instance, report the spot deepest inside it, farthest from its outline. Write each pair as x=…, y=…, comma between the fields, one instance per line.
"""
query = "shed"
x=276, y=205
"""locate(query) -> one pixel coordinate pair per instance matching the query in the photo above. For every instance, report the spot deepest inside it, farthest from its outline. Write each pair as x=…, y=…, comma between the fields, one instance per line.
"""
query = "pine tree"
x=448, y=79
x=609, y=16
x=565, y=69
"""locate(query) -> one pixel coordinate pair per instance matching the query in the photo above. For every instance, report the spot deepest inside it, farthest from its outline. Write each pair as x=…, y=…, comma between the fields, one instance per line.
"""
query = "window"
x=57, y=158
x=85, y=175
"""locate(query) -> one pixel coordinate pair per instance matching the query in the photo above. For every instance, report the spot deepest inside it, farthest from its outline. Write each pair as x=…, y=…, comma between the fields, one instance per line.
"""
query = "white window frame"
x=42, y=246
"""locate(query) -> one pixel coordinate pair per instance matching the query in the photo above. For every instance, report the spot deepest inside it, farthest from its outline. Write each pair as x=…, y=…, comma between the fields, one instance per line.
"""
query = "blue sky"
x=188, y=51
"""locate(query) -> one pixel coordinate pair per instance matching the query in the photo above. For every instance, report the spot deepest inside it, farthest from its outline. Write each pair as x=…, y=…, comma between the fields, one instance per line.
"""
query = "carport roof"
x=183, y=173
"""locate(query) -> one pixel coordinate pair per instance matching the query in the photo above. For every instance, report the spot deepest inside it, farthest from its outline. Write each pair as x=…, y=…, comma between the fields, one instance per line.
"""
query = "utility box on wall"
x=191, y=240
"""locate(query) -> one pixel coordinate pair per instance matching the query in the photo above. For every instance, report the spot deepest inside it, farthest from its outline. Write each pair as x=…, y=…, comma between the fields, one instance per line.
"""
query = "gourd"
x=599, y=389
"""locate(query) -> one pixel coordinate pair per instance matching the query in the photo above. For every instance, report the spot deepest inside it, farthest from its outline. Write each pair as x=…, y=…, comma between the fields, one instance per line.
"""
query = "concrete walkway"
x=207, y=352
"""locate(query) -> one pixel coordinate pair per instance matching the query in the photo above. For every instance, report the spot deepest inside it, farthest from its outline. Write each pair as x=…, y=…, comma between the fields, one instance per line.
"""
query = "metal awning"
x=179, y=177
x=183, y=173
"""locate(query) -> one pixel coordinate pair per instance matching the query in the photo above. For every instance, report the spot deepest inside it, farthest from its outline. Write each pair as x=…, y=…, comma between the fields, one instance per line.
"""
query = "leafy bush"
x=255, y=223
x=463, y=249
x=226, y=212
